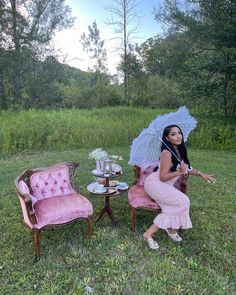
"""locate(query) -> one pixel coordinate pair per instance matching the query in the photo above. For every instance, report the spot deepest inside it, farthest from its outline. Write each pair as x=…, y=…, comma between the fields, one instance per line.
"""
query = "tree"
x=211, y=30
x=125, y=18
x=30, y=24
x=95, y=46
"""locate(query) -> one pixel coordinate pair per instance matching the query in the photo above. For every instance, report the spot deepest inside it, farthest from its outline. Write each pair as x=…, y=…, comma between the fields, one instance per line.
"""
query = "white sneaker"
x=175, y=237
x=152, y=244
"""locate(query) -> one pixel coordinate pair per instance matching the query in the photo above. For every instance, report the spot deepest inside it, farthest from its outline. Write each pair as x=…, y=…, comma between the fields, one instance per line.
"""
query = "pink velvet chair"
x=139, y=199
x=48, y=198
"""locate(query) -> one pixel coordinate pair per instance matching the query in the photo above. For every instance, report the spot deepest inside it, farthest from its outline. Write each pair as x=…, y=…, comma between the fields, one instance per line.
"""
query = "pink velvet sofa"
x=48, y=198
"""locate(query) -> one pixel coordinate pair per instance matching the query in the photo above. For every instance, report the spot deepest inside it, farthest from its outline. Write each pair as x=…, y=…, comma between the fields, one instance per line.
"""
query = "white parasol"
x=146, y=148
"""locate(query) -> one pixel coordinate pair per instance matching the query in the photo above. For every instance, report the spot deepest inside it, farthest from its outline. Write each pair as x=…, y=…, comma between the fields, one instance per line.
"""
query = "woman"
x=160, y=187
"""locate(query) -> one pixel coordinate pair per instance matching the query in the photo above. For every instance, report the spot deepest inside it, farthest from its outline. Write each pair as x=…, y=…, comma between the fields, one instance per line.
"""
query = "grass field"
x=110, y=127
x=117, y=261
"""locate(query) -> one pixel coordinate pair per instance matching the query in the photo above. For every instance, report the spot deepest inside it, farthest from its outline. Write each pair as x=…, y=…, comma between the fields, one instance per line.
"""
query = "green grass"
x=117, y=261
x=112, y=127
x=50, y=130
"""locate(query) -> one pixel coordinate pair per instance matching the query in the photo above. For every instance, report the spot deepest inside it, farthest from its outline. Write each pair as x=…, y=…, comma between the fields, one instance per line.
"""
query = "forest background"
x=192, y=63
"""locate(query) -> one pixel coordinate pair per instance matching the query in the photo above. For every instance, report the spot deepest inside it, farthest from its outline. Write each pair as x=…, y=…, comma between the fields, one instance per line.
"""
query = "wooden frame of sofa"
x=25, y=176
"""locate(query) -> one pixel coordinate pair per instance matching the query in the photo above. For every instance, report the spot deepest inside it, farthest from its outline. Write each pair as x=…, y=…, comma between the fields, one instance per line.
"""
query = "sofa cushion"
x=62, y=209
x=139, y=198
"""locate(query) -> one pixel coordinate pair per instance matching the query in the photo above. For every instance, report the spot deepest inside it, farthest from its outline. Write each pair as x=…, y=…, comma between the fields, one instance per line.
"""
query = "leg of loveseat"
x=90, y=227
x=132, y=218
x=36, y=240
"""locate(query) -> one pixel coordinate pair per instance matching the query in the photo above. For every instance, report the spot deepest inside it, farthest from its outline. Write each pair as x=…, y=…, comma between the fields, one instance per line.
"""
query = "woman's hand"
x=183, y=168
x=207, y=177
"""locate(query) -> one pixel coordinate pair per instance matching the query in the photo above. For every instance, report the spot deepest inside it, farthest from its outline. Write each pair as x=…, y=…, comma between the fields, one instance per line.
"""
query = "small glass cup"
x=108, y=166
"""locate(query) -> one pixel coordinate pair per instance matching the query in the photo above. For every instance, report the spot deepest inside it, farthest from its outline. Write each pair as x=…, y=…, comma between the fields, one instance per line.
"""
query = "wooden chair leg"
x=36, y=240
x=90, y=227
x=132, y=218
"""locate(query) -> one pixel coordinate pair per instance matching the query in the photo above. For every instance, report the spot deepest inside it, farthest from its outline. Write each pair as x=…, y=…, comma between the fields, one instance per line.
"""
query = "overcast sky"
x=67, y=42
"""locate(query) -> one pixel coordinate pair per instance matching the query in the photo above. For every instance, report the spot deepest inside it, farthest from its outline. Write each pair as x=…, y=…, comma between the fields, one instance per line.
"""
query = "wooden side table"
x=107, y=193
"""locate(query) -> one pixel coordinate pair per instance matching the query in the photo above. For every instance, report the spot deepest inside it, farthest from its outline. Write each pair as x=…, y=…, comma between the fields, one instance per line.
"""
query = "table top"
x=109, y=191
x=106, y=175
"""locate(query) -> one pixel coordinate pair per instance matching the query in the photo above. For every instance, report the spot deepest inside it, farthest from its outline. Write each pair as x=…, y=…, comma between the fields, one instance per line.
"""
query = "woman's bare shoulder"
x=165, y=153
x=165, y=156
x=165, y=161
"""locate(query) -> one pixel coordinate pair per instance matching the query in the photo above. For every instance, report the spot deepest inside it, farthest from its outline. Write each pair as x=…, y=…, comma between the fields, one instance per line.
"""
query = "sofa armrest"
x=182, y=183
x=29, y=207
x=72, y=167
x=26, y=203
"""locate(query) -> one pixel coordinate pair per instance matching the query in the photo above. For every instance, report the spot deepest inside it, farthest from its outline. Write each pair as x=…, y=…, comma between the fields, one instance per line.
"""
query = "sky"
x=67, y=42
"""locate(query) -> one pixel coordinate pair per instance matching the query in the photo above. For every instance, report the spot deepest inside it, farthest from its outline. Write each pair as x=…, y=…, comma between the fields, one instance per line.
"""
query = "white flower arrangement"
x=98, y=154
x=101, y=155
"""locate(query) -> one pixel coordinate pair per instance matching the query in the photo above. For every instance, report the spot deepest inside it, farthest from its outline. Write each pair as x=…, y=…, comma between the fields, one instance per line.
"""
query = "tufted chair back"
x=142, y=173
x=49, y=198
x=51, y=183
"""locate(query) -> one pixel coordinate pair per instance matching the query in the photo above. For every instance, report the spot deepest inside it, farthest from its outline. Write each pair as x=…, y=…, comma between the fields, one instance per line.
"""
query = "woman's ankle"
x=172, y=231
x=147, y=235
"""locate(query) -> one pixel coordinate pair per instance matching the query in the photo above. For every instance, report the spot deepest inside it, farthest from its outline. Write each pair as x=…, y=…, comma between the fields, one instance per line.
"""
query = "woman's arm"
x=165, y=166
x=207, y=177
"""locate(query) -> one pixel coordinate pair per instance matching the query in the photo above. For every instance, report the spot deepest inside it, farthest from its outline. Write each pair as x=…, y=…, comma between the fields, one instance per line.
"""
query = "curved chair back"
x=49, y=198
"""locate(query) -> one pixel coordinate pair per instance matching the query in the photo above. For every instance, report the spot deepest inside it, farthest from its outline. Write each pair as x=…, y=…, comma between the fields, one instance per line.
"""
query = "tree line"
x=192, y=63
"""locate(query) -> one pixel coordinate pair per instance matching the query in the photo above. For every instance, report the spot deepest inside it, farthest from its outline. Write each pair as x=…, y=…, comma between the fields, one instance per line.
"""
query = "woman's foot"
x=174, y=236
x=151, y=243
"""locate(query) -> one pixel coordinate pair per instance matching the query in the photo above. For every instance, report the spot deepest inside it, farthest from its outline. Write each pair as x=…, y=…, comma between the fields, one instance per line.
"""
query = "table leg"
x=107, y=182
x=107, y=209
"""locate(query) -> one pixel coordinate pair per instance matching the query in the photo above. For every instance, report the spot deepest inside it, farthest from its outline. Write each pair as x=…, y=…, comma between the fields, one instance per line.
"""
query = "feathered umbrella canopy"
x=146, y=148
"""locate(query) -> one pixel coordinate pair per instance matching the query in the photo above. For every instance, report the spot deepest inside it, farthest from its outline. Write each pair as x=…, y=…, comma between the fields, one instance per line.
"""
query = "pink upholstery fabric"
x=144, y=172
x=25, y=190
x=23, y=187
x=62, y=209
x=54, y=199
x=51, y=183
x=139, y=198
